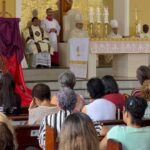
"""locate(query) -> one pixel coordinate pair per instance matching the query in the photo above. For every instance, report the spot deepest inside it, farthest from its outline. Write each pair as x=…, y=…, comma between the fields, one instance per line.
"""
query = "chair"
x=51, y=136
x=113, y=145
x=27, y=136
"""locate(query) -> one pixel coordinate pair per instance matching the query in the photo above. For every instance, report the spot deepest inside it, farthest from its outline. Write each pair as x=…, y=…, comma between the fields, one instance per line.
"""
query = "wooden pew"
x=24, y=110
x=145, y=122
x=113, y=145
x=19, y=120
x=51, y=142
x=27, y=136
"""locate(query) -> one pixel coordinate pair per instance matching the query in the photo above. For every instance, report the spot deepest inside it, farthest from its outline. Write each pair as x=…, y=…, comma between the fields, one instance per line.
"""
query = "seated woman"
x=145, y=90
x=10, y=102
x=68, y=79
x=78, y=132
x=133, y=136
x=38, y=46
x=40, y=105
x=112, y=92
x=142, y=74
x=100, y=108
x=6, y=140
x=7, y=134
x=66, y=101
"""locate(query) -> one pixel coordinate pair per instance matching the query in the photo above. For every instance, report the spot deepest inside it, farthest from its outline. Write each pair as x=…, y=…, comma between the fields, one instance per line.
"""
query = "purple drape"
x=10, y=38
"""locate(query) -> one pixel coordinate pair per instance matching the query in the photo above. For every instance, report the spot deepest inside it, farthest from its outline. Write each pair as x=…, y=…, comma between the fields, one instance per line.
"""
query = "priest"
x=114, y=27
x=78, y=44
x=37, y=45
x=78, y=31
x=52, y=28
x=145, y=34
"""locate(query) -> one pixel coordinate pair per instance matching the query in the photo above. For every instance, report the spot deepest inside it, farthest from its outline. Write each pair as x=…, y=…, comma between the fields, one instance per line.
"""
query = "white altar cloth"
x=120, y=47
x=129, y=54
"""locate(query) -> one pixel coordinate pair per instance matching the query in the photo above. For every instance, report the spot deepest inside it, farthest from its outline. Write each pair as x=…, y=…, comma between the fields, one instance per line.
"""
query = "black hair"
x=34, y=18
x=110, y=84
x=143, y=73
x=145, y=28
x=42, y=92
x=95, y=88
x=136, y=107
x=9, y=100
x=7, y=138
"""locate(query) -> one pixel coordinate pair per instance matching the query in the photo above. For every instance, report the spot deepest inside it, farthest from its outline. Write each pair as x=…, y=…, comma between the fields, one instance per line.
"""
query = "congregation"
x=78, y=123
x=77, y=109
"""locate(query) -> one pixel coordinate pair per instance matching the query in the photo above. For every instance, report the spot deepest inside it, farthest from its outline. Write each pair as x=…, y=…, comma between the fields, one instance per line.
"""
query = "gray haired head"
x=67, y=79
x=67, y=99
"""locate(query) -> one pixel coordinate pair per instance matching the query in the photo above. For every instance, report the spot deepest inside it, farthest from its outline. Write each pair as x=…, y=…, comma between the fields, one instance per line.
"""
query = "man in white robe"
x=79, y=48
x=37, y=45
x=52, y=28
x=114, y=27
x=145, y=34
x=77, y=31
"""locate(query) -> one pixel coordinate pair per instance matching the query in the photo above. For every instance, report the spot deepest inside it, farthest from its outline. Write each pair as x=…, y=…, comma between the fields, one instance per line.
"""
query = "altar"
x=128, y=55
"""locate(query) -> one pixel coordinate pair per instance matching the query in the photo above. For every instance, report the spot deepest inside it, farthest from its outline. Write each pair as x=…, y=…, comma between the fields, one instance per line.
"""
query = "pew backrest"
x=27, y=136
x=113, y=145
x=51, y=136
x=19, y=120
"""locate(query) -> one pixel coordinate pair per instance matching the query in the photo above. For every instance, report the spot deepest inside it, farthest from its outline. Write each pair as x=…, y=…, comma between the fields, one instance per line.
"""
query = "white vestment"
x=69, y=23
x=37, y=43
x=113, y=35
x=47, y=25
x=145, y=35
x=78, y=33
x=79, y=50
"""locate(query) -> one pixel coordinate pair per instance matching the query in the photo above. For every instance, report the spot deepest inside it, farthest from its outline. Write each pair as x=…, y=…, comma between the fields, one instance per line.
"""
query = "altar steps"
x=50, y=76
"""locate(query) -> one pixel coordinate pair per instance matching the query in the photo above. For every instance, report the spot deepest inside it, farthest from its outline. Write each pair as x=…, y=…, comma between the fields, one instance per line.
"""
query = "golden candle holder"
x=105, y=29
x=91, y=30
x=98, y=31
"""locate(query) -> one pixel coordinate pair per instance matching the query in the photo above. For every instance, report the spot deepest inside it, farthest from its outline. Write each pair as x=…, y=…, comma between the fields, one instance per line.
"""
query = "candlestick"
x=91, y=15
x=106, y=15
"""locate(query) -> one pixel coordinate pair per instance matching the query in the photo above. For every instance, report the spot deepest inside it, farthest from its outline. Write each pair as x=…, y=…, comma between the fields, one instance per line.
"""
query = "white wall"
x=121, y=13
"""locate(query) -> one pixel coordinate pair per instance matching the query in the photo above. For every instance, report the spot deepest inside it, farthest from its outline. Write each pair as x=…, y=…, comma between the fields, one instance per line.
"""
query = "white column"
x=121, y=13
x=18, y=15
x=18, y=8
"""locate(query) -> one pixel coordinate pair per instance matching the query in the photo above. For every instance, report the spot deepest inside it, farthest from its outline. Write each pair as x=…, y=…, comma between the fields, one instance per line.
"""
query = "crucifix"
x=4, y=13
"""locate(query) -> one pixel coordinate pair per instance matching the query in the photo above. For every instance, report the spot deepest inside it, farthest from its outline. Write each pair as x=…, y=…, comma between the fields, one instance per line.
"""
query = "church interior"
x=74, y=75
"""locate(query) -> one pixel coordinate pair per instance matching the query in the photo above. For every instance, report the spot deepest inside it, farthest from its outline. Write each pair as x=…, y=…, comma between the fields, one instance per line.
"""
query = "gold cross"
x=3, y=13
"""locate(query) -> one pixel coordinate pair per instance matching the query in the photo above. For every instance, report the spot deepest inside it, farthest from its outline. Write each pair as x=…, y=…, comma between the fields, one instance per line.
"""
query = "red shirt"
x=116, y=98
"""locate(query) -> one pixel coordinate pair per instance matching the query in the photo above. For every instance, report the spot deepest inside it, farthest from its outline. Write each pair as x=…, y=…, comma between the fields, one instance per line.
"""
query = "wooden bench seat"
x=27, y=136
x=19, y=120
x=113, y=145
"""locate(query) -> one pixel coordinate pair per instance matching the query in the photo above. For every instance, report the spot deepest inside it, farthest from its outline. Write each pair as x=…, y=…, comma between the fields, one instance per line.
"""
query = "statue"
x=69, y=20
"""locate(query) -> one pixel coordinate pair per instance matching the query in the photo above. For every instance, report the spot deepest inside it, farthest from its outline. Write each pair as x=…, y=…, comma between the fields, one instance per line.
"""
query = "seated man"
x=37, y=45
x=145, y=33
x=114, y=33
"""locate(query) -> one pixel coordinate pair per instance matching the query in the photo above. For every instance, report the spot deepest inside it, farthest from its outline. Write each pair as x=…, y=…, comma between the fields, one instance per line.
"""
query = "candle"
x=139, y=27
x=91, y=15
x=106, y=15
x=98, y=15
x=136, y=14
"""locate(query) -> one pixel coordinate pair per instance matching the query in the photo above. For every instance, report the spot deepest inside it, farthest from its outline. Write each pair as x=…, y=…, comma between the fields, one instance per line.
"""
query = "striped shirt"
x=54, y=121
